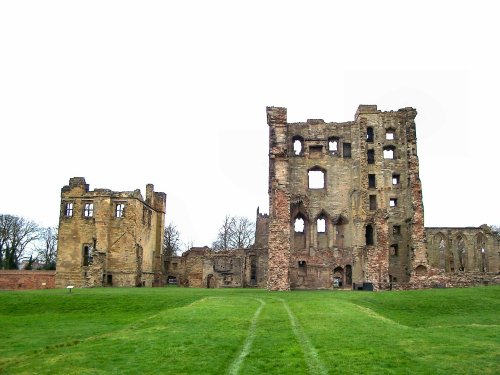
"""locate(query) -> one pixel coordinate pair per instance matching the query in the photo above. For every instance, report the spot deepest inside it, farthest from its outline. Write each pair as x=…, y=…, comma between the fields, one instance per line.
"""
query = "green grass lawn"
x=249, y=331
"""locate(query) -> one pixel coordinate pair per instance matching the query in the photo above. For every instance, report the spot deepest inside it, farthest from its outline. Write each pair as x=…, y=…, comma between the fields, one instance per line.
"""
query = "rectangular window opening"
x=370, y=156
x=395, y=179
x=316, y=179
x=120, y=207
x=88, y=210
x=393, y=202
x=69, y=209
x=373, y=202
x=396, y=230
x=371, y=181
x=347, y=150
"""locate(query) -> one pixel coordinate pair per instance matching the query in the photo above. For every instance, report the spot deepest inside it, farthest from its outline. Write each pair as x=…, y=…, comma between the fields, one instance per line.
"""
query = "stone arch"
x=460, y=252
x=300, y=237
x=339, y=226
x=348, y=275
x=438, y=250
x=420, y=270
x=338, y=277
x=210, y=281
x=481, y=253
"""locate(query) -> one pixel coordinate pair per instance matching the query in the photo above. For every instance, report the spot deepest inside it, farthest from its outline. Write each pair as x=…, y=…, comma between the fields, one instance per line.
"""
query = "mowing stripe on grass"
x=376, y=315
x=235, y=366
x=311, y=355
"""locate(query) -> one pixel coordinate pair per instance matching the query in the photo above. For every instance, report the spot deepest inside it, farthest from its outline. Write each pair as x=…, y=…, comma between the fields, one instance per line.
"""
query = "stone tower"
x=109, y=238
x=345, y=201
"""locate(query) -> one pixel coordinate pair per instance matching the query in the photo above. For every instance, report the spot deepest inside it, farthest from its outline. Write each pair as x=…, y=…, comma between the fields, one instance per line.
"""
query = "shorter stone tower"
x=109, y=238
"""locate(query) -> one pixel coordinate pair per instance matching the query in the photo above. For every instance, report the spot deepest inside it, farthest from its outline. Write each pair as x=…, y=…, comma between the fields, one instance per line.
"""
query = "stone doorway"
x=210, y=281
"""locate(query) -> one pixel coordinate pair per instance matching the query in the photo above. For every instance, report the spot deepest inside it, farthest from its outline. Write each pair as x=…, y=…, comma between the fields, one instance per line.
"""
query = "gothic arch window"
x=481, y=253
x=461, y=252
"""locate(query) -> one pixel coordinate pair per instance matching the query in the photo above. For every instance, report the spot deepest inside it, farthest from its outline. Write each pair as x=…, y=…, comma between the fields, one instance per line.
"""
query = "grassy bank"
x=248, y=331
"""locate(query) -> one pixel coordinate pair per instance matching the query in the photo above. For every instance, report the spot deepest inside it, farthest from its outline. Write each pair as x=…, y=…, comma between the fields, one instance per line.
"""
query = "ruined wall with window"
x=109, y=238
x=201, y=267
x=461, y=250
x=345, y=200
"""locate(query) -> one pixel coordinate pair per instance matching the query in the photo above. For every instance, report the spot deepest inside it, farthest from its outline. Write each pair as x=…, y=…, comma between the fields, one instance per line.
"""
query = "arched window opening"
x=316, y=179
x=420, y=270
x=299, y=225
x=321, y=225
x=298, y=146
x=369, y=235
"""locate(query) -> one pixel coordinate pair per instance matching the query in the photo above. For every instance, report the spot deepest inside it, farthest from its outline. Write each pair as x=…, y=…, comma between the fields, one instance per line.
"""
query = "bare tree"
x=235, y=233
x=171, y=241
x=223, y=241
x=243, y=234
x=16, y=234
x=47, y=248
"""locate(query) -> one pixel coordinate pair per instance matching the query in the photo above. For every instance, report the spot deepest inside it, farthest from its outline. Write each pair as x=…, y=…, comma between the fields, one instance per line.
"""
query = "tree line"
x=23, y=241
x=236, y=232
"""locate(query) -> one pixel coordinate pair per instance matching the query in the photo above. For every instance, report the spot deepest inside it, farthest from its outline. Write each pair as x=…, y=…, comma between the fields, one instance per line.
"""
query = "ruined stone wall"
x=201, y=267
x=109, y=238
x=458, y=250
x=368, y=187
x=23, y=279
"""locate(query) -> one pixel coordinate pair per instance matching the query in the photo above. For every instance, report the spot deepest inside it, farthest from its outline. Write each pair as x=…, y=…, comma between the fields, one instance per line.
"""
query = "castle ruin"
x=345, y=211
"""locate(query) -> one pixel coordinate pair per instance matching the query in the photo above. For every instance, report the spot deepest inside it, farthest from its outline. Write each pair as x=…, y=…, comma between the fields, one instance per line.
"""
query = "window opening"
x=299, y=225
x=395, y=179
x=316, y=179
x=333, y=145
x=389, y=134
x=321, y=225
x=87, y=255
x=396, y=229
x=88, y=210
x=394, y=250
x=69, y=209
x=347, y=150
x=393, y=202
x=371, y=181
x=370, y=156
x=373, y=202
x=389, y=153
x=369, y=134
x=120, y=207
x=369, y=235
x=297, y=147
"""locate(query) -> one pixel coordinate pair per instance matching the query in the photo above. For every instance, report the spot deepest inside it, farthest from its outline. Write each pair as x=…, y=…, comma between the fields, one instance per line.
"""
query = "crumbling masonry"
x=345, y=211
x=109, y=238
x=345, y=201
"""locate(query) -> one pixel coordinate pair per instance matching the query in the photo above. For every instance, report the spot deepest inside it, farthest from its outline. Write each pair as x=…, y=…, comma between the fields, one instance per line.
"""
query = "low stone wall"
x=449, y=280
x=22, y=279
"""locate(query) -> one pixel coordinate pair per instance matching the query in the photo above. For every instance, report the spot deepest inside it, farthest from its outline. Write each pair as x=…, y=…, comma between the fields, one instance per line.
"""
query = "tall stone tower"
x=345, y=201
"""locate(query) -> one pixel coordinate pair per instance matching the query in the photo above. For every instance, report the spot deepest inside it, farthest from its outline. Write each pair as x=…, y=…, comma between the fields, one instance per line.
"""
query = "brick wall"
x=22, y=279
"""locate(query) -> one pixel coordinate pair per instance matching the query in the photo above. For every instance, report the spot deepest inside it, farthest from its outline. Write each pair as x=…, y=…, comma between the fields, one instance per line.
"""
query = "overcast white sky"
x=174, y=93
